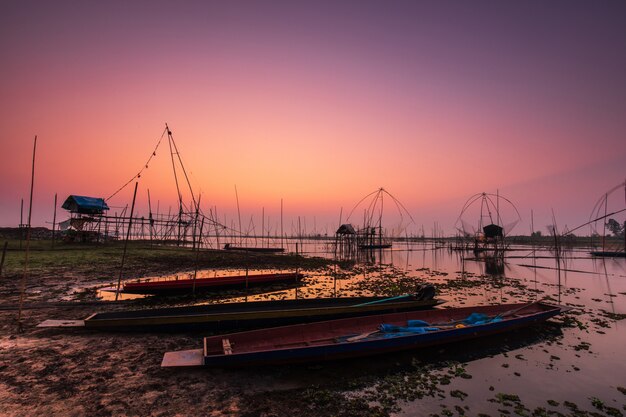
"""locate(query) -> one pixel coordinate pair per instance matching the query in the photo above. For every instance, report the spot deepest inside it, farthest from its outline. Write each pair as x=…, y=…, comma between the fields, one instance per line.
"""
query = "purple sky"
x=318, y=103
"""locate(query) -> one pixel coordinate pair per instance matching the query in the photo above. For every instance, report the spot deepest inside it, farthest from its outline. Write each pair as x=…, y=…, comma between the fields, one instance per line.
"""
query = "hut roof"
x=346, y=229
x=492, y=230
x=85, y=205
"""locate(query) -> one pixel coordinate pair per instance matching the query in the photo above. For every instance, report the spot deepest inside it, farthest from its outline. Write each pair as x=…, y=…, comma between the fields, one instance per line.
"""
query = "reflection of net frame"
x=601, y=208
x=600, y=212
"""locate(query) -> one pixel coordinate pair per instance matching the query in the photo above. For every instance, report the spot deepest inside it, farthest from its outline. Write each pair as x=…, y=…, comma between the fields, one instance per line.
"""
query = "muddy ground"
x=79, y=372
x=52, y=372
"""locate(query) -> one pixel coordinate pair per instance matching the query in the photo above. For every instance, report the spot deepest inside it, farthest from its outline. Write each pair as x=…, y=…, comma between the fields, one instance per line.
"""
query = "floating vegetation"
x=613, y=316
x=458, y=394
x=582, y=346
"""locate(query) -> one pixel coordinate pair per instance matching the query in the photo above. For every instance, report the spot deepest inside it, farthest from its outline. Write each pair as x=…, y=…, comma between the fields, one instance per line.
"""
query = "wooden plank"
x=62, y=323
x=192, y=357
x=228, y=350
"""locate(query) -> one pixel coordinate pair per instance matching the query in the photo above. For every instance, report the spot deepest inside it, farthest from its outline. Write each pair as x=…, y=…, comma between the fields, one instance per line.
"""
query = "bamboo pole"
x=263, y=225
x=4, y=252
x=54, y=219
x=150, y=220
x=21, y=221
x=216, y=225
x=195, y=272
x=238, y=215
x=130, y=222
x=297, y=265
x=606, y=196
x=30, y=211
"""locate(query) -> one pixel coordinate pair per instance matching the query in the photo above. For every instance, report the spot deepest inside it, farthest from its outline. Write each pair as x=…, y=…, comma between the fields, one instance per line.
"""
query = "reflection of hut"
x=345, y=240
x=86, y=216
x=494, y=265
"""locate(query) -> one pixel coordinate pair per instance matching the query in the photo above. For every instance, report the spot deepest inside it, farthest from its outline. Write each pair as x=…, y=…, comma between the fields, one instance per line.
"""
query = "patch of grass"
x=142, y=259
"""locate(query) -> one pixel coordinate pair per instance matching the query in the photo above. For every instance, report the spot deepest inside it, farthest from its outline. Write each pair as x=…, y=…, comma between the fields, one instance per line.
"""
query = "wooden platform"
x=62, y=323
x=194, y=357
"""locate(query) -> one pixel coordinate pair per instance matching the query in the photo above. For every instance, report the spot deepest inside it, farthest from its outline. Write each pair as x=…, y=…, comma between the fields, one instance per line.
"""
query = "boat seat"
x=228, y=349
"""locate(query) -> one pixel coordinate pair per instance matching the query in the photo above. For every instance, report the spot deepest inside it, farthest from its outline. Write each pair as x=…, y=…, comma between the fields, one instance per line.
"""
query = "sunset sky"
x=318, y=103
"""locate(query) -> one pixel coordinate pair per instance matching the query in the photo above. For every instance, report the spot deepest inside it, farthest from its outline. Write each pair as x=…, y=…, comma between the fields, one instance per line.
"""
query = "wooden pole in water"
x=217, y=232
x=150, y=220
x=54, y=219
x=238, y=214
x=30, y=211
x=21, y=221
x=297, y=270
x=130, y=222
x=195, y=272
x=281, y=224
x=4, y=252
x=263, y=225
x=606, y=196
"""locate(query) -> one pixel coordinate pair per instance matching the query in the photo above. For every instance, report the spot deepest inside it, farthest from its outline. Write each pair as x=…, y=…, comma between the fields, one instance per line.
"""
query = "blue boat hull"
x=334, y=351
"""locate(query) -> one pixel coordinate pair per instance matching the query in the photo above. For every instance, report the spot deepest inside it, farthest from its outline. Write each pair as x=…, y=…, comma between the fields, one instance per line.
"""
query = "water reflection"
x=389, y=271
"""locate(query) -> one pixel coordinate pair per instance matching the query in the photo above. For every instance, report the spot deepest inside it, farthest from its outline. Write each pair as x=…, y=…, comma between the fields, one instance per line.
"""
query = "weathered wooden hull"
x=331, y=340
x=224, y=317
x=255, y=249
x=371, y=247
x=609, y=254
x=166, y=287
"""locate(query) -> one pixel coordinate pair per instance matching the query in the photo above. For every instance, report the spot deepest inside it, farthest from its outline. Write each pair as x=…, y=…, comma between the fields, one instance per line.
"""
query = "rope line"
x=145, y=166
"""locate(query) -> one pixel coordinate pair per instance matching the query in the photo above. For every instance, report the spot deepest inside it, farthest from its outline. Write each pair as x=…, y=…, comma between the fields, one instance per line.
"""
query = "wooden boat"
x=373, y=246
x=228, y=246
x=609, y=254
x=361, y=336
x=223, y=317
x=177, y=286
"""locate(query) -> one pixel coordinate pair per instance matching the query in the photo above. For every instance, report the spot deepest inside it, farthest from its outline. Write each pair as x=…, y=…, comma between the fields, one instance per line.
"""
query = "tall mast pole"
x=170, y=139
x=54, y=218
x=30, y=211
x=130, y=224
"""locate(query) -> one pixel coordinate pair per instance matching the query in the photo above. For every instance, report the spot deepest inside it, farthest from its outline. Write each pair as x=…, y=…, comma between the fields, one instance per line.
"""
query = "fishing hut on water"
x=91, y=219
x=351, y=241
x=87, y=216
x=489, y=233
x=345, y=241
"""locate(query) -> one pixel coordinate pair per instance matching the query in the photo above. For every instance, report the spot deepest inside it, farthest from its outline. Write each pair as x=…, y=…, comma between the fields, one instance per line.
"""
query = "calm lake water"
x=558, y=368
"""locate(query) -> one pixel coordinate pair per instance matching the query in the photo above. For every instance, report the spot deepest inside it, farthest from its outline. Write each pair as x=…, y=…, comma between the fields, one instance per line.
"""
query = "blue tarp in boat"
x=420, y=326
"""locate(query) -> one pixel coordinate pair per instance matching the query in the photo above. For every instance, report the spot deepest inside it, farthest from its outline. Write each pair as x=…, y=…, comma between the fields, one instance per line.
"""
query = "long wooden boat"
x=176, y=286
x=609, y=254
x=361, y=336
x=229, y=316
x=228, y=246
x=376, y=246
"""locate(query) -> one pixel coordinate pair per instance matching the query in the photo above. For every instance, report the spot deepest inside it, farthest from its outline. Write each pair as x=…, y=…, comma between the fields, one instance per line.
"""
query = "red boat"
x=361, y=336
x=173, y=286
x=228, y=246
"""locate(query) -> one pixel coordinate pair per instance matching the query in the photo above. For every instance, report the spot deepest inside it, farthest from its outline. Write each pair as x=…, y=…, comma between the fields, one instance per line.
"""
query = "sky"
x=316, y=103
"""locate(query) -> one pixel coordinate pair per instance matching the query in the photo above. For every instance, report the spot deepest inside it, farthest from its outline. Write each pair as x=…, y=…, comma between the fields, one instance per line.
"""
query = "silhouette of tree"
x=615, y=228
